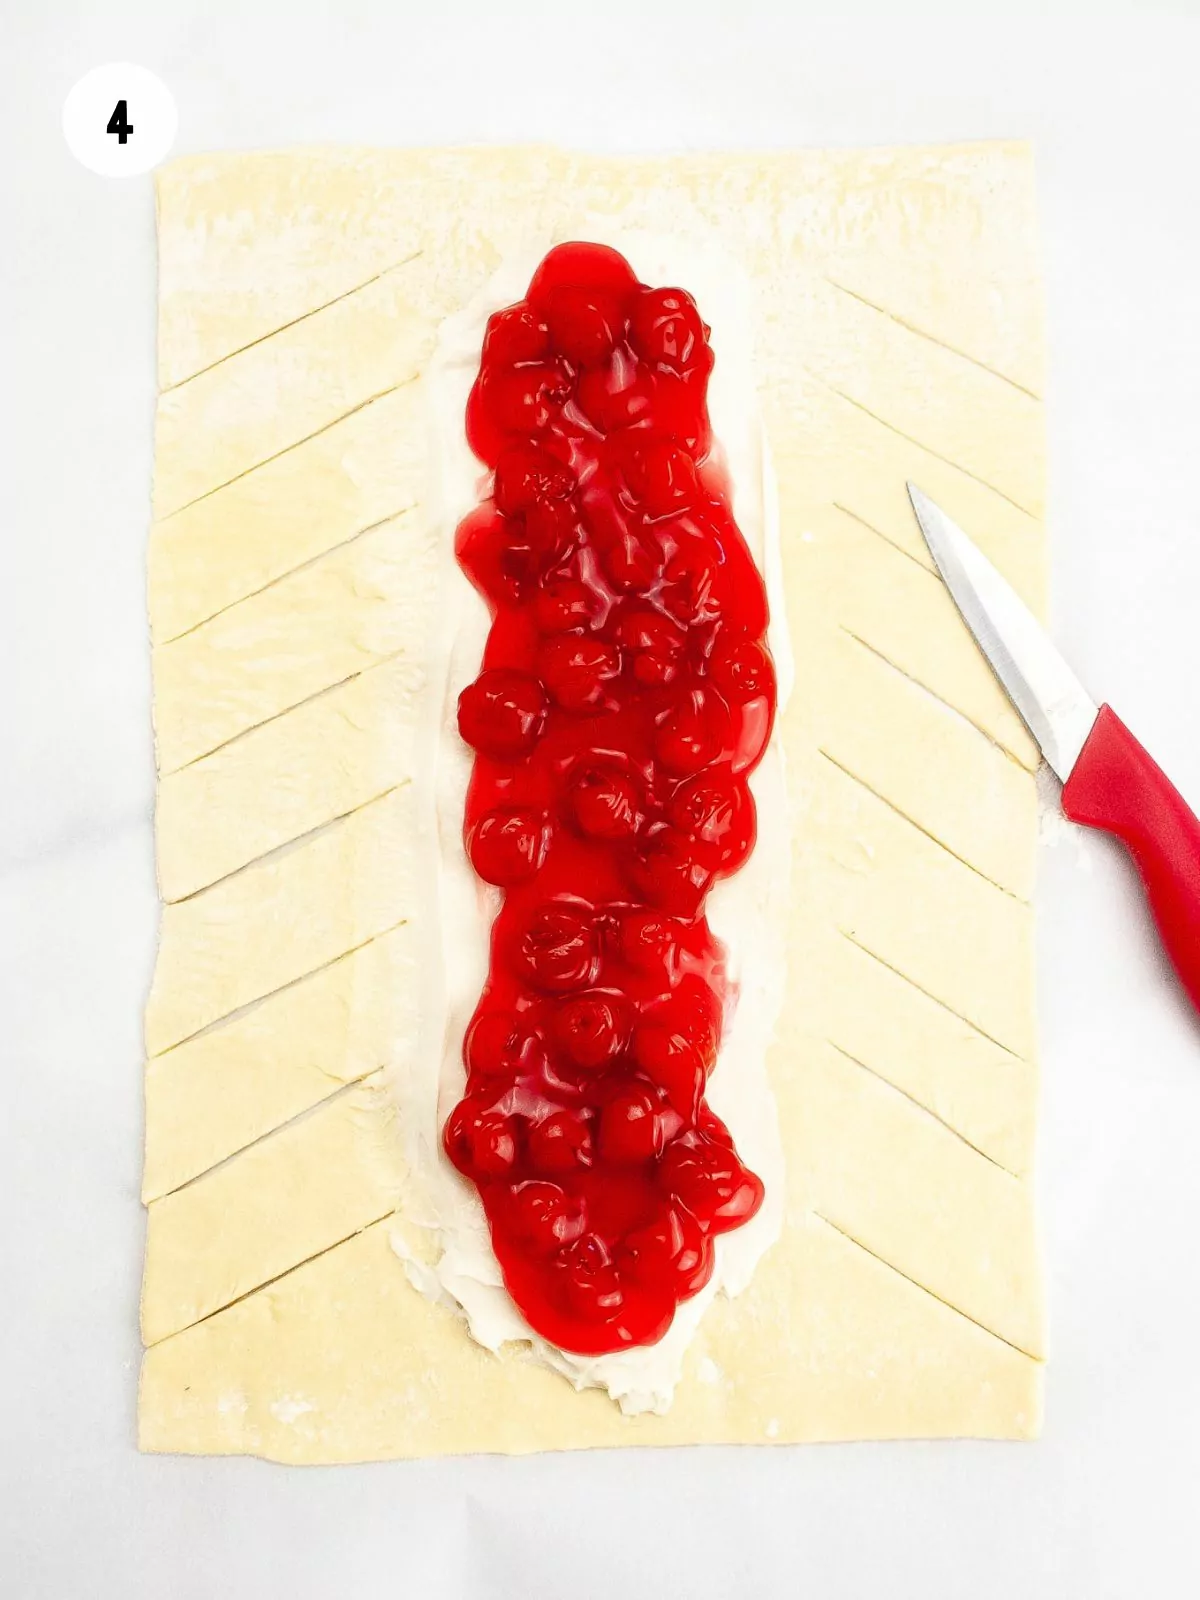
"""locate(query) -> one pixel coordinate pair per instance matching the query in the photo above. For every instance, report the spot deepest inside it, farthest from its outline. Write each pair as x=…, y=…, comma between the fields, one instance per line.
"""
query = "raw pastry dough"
x=290, y=574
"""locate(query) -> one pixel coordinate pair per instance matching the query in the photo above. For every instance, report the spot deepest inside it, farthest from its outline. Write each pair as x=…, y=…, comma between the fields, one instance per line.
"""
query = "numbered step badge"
x=120, y=120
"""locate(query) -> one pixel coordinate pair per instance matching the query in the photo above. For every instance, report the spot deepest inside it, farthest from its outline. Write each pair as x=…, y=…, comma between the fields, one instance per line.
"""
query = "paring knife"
x=1109, y=781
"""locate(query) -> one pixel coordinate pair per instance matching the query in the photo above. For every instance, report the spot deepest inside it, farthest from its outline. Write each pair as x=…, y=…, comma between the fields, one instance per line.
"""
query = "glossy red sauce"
x=626, y=693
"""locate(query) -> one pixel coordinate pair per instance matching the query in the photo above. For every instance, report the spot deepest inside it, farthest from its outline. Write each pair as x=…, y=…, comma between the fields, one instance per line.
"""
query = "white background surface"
x=1106, y=1504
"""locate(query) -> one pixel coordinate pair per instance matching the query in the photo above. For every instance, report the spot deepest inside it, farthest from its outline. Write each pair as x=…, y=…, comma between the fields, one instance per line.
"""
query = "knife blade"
x=1109, y=780
x=1052, y=702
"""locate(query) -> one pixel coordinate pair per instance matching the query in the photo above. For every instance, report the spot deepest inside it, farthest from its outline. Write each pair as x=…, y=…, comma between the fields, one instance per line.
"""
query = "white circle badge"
x=120, y=120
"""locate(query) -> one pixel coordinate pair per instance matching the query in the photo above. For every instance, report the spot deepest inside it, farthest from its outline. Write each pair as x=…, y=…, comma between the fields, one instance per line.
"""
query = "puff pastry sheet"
x=291, y=577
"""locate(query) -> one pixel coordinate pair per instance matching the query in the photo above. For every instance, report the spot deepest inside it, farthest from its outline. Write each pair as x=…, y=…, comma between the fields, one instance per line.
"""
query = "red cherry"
x=604, y=802
x=743, y=599
x=631, y=556
x=672, y=873
x=691, y=583
x=526, y=474
x=751, y=729
x=717, y=809
x=541, y=1216
x=666, y=329
x=513, y=335
x=493, y=555
x=494, y=1045
x=562, y=603
x=711, y=1182
x=480, y=1141
x=615, y=395
x=633, y=561
x=577, y=670
x=525, y=399
x=671, y=1060
x=559, y=949
x=584, y=324
x=741, y=669
x=643, y=628
x=713, y=1129
x=588, y=1281
x=692, y=1010
x=551, y=528
x=678, y=410
x=590, y=1029
x=660, y=473
x=692, y=734
x=670, y=1249
x=631, y=1130
x=508, y=844
x=560, y=1143
x=502, y=713
x=590, y=266
x=649, y=942
x=654, y=645
x=648, y=1252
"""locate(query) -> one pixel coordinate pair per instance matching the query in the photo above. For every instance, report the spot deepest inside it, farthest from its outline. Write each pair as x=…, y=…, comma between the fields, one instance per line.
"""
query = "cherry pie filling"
x=625, y=696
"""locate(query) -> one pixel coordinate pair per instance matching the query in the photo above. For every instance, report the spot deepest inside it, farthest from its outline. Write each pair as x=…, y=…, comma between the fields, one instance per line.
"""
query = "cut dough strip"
x=923, y=333
x=282, y=919
x=909, y=621
x=875, y=1016
x=258, y=1216
x=287, y=388
x=869, y=360
x=236, y=1082
x=343, y=482
x=284, y=326
x=895, y=890
x=920, y=1199
x=287, y=777
x=973, y=820
x=362, y=603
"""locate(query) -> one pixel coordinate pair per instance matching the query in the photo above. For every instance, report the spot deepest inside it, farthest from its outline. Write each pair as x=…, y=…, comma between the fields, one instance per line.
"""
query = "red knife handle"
x=1115, y=786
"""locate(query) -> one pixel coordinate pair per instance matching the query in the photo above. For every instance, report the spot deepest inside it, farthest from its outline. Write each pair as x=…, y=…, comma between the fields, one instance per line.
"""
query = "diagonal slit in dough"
x=937, y=1000
x=941, y=775
x=291, y=323
x=279, y=851
x=924, y=687
x=252, y=407
x=921, y=445
x=269, y=1283
x=265, y=461
x=913, y=823
x=282, y=919
x=924, y=393
x=360, y=604
x=982, y=1326
x=312, y=765
x=250, y=594
x=901, y=611
x=257, y=1069
x=920, y=908
x=266, y=1210
x=921, y=1106
x=335, y=1092
x=364, y=470
x=923, y=333
x=909, y=555
x=901, y=1184
x=929, y=1053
